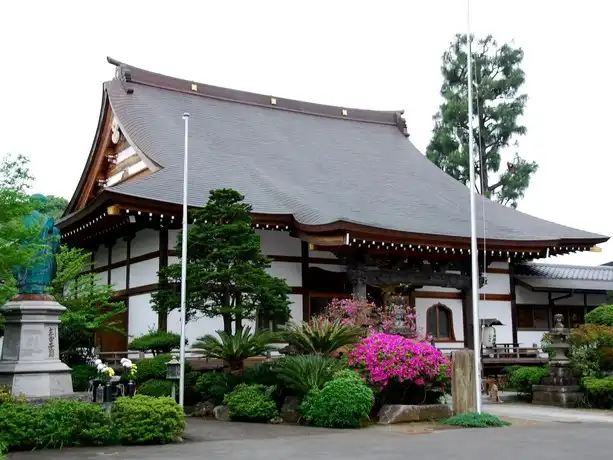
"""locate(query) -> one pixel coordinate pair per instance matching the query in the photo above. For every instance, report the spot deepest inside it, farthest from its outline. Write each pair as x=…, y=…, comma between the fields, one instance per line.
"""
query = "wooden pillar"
x=304, y=269
x=467, y=316
x=514, y=312
x=109, y=260
x=163, y=263
x=128, y=239
x=463, y=382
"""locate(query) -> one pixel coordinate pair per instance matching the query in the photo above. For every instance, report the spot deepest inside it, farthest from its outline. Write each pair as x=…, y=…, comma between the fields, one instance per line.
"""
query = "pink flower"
x=385, y=357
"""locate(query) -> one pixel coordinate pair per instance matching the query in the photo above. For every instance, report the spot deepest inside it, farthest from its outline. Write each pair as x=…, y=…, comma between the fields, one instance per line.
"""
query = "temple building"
x=342, y=200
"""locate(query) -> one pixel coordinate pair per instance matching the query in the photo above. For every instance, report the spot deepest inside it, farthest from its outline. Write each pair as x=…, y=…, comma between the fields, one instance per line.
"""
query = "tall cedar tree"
x=497, y=106
x=89, y=305
x=226, y=271
x=15, y=205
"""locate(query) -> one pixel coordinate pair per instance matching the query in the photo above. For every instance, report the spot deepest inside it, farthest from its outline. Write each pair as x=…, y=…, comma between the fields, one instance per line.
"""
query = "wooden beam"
x=304, y=267
x=514, y=312
x=163, y=263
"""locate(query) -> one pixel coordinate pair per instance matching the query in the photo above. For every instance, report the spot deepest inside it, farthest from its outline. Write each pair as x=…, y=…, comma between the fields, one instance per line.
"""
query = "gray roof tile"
x=566, y=272
x=318, y=169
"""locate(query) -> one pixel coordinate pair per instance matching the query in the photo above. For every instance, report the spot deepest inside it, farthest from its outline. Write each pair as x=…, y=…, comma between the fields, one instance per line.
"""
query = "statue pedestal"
x=30, y=359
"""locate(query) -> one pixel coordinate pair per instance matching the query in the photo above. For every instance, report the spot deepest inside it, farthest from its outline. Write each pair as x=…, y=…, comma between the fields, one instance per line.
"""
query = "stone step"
x=556, y=388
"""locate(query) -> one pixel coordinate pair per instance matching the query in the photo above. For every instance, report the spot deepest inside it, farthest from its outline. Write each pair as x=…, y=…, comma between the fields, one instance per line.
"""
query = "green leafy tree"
x=15, y=205
x=497, y=106
x=89, y=305
x=226, y=271
x=54, y=207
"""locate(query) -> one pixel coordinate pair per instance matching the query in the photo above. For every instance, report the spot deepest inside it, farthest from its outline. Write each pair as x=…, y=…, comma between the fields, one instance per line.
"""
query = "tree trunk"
x=485, y=183
x=227, y=323
x=238, y=315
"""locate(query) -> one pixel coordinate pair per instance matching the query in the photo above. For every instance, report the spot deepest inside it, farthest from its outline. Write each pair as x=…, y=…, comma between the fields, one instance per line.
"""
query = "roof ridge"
x=128, y=74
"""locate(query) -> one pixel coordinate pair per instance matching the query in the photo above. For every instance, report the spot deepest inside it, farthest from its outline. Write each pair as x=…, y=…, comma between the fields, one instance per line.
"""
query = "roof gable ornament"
x=123, y=74
x=401, y=123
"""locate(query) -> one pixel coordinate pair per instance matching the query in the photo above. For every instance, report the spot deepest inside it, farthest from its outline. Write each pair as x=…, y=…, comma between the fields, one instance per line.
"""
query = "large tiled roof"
x=567, y=272
x=309, y=161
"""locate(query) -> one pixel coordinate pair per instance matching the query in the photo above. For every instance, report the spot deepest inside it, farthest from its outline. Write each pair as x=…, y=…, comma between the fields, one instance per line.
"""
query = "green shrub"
x=235, y=349
x=157, y=388
x=158, y=342
x=58, y=423
x=147, y=420
x=6, y=396
x=213, y=386
x=306, y=372
x=343, y=402
x=521, y=378
x=599, y=391
x=475, y=420
x=320, y=336
x=251, y=403
x=260, y=374
x=81, y=375
x=155, y=368
x=602, y=315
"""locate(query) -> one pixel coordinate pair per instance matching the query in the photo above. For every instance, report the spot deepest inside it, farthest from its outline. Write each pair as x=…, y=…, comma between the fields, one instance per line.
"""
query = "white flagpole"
x=183, y=268
x=473, y=225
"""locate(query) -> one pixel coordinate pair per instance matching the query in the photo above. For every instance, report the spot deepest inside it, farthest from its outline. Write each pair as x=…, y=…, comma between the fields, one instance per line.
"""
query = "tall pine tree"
x=226, y=271
x=497, y=106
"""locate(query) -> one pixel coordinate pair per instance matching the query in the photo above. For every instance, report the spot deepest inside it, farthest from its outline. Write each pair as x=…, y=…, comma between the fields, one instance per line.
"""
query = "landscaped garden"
x=591, y=359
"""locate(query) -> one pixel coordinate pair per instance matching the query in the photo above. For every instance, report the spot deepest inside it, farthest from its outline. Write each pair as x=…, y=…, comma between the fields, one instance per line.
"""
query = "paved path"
x=544, y=441
x=547, y=414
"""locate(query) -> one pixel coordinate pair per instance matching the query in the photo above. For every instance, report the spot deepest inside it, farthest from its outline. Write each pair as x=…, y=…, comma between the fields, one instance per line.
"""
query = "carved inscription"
x=52, y=337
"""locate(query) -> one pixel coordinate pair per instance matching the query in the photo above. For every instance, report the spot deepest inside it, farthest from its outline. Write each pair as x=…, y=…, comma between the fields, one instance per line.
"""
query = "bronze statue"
x=37, y=278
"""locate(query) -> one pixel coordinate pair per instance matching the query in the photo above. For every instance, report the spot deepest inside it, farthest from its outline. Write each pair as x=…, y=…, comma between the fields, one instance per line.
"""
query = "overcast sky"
x=377, y=55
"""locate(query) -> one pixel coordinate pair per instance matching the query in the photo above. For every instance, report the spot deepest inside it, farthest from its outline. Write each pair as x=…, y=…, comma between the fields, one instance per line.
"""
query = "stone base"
x=402, y=413
x=559, y=388
x=29, y=361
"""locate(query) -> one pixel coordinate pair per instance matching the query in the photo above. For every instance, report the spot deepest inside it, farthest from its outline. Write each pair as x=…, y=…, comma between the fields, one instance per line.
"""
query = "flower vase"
x=108, y=393
x=131, y=389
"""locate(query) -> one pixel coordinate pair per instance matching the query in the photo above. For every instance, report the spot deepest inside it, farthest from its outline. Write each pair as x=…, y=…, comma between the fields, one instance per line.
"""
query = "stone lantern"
x=173, y=373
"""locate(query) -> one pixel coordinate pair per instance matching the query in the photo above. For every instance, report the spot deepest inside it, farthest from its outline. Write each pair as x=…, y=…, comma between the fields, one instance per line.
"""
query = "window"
x=540, y=317
x=439, y=322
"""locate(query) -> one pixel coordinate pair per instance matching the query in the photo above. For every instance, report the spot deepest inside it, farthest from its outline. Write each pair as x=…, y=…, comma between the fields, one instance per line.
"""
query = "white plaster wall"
x=523, y=295
x=120, y=251
x=455, y=305
x=274, y=243
x=118, y=278
x=295, y=308
x=330, y=267
x=289, y=271
x=502, y=311
x=322, y=254
x=101, y=256
x=527, y=338
x=144, y=273
x=141, y=318
x=195, y=328
x=144, y=242
x=173, y=234
x=597, y=299
x=497, y=283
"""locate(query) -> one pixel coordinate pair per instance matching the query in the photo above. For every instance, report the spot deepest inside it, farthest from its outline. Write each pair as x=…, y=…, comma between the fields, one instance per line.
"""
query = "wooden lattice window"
x=439, y=322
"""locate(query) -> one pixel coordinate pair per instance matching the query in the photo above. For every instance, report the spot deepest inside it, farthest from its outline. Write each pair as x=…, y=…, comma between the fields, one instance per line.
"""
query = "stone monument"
x=560, y=387
x=30, y=359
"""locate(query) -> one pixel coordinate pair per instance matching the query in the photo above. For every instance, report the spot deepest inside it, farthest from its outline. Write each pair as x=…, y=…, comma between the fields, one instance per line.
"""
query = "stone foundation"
x=401, y=413
x=559, y=388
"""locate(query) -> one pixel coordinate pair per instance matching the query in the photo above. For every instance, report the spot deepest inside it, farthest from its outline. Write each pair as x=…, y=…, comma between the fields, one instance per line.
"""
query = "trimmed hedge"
x=521, y=378
x=155, y=368
x=343, y=402
x=599, y=391
x=251, y=403
x=156, y=388
x=147, y=420
x=64, y=423
x=81, y=375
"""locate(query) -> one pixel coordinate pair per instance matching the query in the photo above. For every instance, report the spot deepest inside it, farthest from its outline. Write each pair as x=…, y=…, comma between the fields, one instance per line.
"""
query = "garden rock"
x=401, y=413
x=204, y=409
x=289, y=411
x=276, y=421
x=221, y=413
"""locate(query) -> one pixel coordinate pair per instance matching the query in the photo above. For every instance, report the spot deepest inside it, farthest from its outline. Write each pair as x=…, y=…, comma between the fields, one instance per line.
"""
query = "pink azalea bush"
x=383, y=358
x=359, y=312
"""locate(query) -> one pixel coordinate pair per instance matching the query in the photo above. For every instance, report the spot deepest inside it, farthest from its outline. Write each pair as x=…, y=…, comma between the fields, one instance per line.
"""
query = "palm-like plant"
x=306, y=372
x=234, y=349
x=320, y=336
